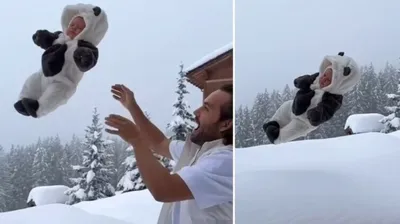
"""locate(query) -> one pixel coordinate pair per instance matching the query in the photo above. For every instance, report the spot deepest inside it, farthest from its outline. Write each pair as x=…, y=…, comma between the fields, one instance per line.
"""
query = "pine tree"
x=287, y=94
x=40, y=166
x=181, y=124
x=94, y=182
x=249, y=137
x=132, y=180
x=20, y=169
x=239, y=127
x=5, y=182
x=392, y=121
x=260, y=113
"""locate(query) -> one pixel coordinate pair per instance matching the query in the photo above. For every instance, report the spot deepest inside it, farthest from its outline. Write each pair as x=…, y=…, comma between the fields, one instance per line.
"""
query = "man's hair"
x=227, y=114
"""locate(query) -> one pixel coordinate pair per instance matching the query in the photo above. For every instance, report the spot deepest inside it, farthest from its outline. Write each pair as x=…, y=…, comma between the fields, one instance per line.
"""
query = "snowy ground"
x=128, y=208
x=134, y=207
x=352, y=179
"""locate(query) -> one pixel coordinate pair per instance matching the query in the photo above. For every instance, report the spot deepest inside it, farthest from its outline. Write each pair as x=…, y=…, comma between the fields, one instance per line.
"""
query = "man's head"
x=214, y=118
x=326, y=78
x=76, y=26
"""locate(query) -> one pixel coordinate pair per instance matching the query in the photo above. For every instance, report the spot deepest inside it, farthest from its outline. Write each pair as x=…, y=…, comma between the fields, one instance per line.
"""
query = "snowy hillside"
x=352, y=179
x=128, y=208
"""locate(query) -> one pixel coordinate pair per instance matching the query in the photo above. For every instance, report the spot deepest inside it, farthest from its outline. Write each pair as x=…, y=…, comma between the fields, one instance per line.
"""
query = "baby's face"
x=326, y=78
x=76, y=27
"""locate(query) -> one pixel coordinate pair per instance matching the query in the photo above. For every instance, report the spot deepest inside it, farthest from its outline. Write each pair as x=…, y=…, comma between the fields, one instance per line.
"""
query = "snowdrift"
x=352, y=179
x=127, y=208
x=55, y=213
x=133, y=207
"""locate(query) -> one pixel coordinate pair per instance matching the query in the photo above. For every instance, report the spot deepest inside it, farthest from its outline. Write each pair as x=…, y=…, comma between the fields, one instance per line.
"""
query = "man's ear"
x=227, y=124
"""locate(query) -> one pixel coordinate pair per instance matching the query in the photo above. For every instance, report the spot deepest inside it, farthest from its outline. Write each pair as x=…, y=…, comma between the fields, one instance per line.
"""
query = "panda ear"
x=346, y=71
x=96, y=10
x=341, y=53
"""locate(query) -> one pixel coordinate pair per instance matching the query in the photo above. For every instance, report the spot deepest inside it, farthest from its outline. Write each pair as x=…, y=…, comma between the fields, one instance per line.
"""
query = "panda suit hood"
x=345, y=75
x=95, y=19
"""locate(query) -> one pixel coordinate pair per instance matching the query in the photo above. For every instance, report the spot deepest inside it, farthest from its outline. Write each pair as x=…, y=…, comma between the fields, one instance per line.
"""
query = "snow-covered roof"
x=362, y=123
x=209, y=57
x=48, y=195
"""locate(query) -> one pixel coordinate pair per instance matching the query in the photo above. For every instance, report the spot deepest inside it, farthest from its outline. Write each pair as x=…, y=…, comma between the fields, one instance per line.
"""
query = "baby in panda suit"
x=319, y=97
x=67, y=56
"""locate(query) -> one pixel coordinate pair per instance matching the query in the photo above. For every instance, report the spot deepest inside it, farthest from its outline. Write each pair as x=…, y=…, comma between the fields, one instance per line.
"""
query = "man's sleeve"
x=211, y=179
x=176, y=149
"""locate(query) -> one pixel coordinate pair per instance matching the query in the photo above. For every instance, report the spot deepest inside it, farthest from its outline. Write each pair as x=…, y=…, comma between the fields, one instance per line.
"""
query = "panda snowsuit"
x=64, y=61
x=312, y=104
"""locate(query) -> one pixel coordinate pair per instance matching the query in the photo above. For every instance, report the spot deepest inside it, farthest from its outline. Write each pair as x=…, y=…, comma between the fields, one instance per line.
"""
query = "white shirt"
x=210, y=180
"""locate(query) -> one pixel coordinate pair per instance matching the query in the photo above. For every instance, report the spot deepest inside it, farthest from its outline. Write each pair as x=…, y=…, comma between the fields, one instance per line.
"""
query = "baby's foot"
x=19, y=107
x=31, y=106
x=272, y=130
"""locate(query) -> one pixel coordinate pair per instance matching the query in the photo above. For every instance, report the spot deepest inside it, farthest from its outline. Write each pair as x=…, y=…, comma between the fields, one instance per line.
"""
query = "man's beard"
x=199, y=136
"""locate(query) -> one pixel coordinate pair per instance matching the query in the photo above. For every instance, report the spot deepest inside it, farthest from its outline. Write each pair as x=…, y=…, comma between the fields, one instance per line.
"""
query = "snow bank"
x=56, y=213
x=133, y=207
x=395, y=133
x=351, y=179
x=362, y=123
x=48, y=195
x=209, y=57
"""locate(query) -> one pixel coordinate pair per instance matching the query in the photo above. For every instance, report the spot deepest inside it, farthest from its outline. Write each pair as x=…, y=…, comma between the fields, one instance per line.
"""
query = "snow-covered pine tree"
x=260, y=113
x=249, y=137
x=5, y=182
x=239, y=127
x=94, y=181
x=182, y=118
x=392, y=121
x=20, y=169
x=131, y=180
x=40, y=166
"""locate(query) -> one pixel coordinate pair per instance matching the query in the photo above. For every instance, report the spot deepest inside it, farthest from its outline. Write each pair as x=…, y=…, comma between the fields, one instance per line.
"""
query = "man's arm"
x=325, y=110
x=156, y=139
x=209, y=181
x=45, y=38
x=164, y=187
x=303, y=82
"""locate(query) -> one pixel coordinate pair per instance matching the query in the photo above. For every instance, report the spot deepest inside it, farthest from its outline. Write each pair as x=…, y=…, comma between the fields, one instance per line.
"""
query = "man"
x=200, y=190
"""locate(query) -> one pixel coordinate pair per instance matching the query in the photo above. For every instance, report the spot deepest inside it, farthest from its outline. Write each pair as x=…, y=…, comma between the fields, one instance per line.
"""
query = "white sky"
x=144, y=45
x=277, y=41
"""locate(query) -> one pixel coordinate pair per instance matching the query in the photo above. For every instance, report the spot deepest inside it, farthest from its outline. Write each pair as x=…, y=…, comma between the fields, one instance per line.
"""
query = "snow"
x=56, y=213
x=395, y=122
x=350, y=179
x=90, y=176
x=395, y=133
x=132, y=207
x=362, y=123
x=393, y=96
x=48, y=195
x=124, y=208
x=209, y=57
x=95, y=148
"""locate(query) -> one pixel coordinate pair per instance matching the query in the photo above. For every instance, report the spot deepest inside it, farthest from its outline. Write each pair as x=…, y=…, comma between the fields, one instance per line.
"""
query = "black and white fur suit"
x=64, y=61
x=313, y=105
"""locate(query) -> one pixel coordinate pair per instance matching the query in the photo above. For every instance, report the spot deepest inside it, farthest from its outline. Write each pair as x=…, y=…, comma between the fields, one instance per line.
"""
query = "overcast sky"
x=277, y=41
x=144, y=45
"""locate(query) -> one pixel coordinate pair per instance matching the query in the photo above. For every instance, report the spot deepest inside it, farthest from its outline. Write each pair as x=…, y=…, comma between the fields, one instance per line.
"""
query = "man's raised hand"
x=123, y=94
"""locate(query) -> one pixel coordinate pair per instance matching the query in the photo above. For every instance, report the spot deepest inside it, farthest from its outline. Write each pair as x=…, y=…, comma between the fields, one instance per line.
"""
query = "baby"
x=319, y=97
x=67, y=56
